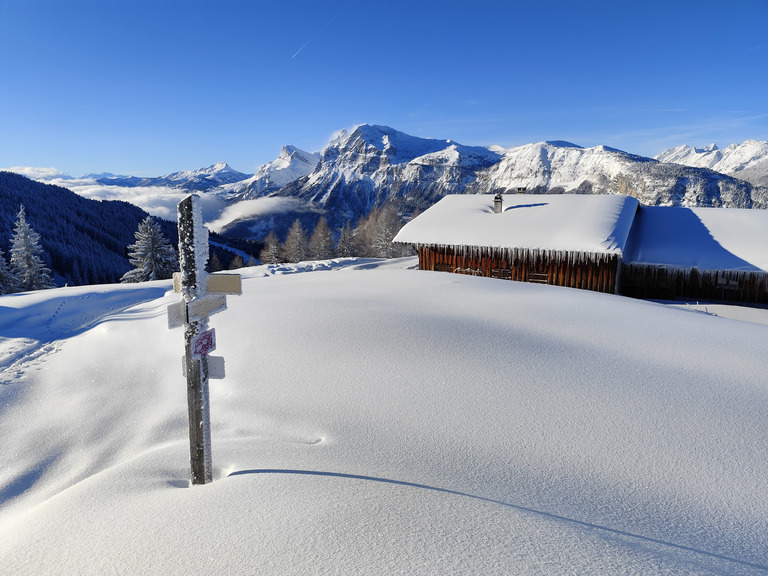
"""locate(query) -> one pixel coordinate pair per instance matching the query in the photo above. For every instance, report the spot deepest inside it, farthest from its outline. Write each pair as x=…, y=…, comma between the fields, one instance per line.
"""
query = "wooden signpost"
x=202, y=296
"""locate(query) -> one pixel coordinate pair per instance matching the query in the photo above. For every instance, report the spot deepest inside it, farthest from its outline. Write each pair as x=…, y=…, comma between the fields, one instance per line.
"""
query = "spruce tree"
x=8, y=281
x=152, y=256
x=26, y=257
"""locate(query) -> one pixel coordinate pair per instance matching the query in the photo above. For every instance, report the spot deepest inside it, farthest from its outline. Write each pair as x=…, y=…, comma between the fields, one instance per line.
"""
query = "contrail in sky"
x=315, y=35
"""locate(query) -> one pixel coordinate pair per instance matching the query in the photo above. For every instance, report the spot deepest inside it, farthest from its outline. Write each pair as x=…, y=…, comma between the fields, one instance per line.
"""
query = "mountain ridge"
x=372, y=166
x=746, y=161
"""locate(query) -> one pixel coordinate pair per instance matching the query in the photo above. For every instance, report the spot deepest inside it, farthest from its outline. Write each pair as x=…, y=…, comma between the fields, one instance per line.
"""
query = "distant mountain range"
x=201, y=180
x=746, y=161
x=84, y=241
x=373, y=166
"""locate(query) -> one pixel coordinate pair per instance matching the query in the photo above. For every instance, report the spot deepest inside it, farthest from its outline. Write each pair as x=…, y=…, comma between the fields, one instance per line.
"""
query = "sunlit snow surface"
x=377, y=419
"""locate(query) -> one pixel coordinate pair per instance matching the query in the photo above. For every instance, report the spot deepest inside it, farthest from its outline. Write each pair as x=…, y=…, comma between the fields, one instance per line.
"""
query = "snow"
x=402, y=148
x=705, y=238
x=597, y=223
x=730, y=160
x=290, y=165
x=556, y=164
x=379, y=419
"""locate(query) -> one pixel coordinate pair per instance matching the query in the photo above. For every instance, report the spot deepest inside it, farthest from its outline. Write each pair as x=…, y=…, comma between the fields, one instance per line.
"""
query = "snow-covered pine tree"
x=8, y=281
x=321, y=241
x=152, y=256
x=26, y=257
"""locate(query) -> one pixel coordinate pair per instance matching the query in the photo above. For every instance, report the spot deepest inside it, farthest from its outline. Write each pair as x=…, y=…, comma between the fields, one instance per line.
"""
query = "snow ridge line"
x=507, y=504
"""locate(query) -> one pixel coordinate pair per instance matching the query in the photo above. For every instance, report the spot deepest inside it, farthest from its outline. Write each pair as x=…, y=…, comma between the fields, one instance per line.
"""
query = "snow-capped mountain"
x=290, y=165
x=203, y=178
x=746, y=161
x=562, y=167
x=376, y=165
x=372, y=165
x=199, y=180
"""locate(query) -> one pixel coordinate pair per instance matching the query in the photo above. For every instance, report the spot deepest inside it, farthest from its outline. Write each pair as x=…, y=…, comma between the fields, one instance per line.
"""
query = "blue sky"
x=152, y=87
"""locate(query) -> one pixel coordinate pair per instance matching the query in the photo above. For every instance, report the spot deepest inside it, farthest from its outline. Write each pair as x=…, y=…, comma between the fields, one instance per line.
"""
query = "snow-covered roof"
x=705, y=238
x=577, y=223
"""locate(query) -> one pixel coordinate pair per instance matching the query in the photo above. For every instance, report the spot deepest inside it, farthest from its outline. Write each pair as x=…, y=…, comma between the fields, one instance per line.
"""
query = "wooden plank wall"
x=597, y=272
x=588, y=271
x=661, y=282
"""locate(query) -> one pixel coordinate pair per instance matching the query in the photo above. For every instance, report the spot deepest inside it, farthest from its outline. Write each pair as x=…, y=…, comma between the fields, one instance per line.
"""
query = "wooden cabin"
x=605, y=243
x=565, y=240
x=697, y=253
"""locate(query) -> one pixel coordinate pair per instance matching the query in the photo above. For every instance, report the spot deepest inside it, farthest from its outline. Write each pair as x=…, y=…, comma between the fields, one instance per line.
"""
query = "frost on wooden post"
x=193, y=312
x=193, y=248
x=193, y=255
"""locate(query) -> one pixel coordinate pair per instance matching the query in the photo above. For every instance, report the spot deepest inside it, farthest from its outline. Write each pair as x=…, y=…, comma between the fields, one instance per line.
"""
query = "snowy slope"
x=377, y=419
x=748, y=160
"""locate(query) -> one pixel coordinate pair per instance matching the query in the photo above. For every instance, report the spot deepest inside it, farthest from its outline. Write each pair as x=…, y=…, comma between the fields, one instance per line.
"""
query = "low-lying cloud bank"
x=159, y=201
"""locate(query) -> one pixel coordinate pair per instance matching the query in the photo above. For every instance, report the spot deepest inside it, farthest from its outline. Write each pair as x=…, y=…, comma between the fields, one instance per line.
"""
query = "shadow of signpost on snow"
x=557, y=517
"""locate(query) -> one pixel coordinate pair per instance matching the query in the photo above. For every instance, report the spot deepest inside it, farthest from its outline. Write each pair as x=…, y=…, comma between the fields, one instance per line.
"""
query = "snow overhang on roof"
x=567, y=222
x=704, y=238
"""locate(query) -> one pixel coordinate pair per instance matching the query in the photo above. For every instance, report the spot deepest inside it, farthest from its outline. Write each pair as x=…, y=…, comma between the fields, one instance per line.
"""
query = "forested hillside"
x=84, y=240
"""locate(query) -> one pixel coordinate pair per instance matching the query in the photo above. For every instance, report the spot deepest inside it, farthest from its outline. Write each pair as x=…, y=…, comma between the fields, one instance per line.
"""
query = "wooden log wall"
x=663, y=282
x=588, y=271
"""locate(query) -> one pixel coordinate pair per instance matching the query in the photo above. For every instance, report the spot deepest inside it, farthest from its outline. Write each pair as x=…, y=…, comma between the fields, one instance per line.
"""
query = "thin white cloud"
x=159, y=201
x=36, y=172
x=257, y=207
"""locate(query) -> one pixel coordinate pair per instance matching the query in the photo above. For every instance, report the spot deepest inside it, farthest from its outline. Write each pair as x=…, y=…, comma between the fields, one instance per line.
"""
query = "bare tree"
x=321, y=241
x=295, y=245
x=272, y=252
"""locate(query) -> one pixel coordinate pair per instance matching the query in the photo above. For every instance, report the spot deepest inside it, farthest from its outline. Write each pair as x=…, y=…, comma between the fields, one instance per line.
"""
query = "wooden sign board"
x=177, y=315
x=225, y=284
x=215, y=367
x=217, y=283
x=206, y=306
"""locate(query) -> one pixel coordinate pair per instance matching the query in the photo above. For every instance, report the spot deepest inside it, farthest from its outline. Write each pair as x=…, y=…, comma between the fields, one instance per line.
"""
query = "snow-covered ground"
x=376, y=419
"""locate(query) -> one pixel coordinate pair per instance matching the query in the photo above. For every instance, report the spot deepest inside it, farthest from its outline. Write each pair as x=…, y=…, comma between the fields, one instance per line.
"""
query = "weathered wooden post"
x=192, y=312
x=193, y=255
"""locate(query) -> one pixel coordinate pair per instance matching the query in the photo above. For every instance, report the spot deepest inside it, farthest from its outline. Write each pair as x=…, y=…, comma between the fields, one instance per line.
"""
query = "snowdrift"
x=377, y=419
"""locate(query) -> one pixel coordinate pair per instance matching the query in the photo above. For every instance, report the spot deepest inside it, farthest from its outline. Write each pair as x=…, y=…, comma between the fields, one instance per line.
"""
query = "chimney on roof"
x=497, y=203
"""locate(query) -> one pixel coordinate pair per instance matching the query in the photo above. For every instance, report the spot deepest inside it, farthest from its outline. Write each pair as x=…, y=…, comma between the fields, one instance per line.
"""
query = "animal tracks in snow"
x=34, y=325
